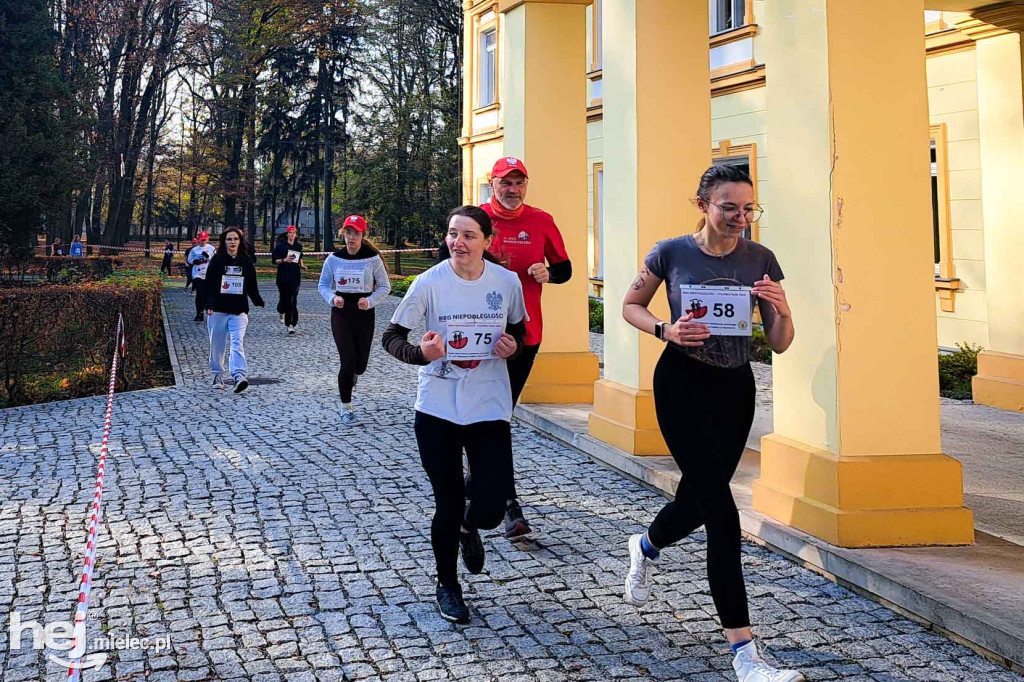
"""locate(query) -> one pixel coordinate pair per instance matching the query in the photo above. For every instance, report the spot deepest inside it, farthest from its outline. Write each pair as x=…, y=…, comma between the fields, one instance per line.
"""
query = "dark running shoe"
x=241, y=385
x=198, y=317
x=515, y=523
x=451, y=604
x=472, y=550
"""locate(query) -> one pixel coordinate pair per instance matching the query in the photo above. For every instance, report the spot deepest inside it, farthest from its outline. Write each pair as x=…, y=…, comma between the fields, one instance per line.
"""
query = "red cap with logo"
x=506, y=165
x=356, y=222
x=291, y=228
x=202, y=235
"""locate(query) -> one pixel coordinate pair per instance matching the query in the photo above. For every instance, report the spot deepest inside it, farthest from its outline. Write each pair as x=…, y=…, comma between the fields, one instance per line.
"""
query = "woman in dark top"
x=287, y=256
x=230, y=283
x=704, y=391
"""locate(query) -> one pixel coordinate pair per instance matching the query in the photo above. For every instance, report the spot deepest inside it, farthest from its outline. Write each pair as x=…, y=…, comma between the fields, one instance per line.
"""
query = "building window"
x=726, y=15
x=745, y=157
x=483, y=192
x=488, y=65
x=595, y=36
x=597, y=269
x=941, y=235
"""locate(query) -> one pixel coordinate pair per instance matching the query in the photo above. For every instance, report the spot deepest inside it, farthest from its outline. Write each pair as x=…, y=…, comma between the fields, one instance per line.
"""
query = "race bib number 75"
x=724, y=310
x=472, y=340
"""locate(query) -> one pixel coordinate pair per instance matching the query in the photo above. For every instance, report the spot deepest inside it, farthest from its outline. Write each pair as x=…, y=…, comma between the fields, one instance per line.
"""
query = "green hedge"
x=596, y=307
x=956, y=371
x=59, y=339
x=400, y=285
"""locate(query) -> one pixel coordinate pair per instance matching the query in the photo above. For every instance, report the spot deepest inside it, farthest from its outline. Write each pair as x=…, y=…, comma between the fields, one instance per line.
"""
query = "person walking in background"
x=188, y=268
x=76, y=247
x=353, y=281
x=230, y=284
x=287, y=256
x=56, y=248
x=165, y=265
x=199, y=259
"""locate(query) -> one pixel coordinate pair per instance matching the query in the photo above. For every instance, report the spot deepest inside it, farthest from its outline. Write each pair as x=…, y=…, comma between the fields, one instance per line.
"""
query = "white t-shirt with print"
x=195, y=254
x=475, y=390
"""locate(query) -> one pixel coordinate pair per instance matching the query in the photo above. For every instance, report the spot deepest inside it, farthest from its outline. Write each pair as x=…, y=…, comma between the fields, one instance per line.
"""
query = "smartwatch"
x=659, y=331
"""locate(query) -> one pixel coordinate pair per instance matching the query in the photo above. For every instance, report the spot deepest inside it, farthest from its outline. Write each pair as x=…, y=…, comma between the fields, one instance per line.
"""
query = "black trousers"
x=705, y=414
x=519, y=370
x=165, y=265
x=353, y=335
x=288, y=302
x=488, y=447
x=199, y=288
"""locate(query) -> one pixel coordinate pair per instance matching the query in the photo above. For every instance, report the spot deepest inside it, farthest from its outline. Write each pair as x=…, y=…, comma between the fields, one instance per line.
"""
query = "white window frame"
x=487, y=71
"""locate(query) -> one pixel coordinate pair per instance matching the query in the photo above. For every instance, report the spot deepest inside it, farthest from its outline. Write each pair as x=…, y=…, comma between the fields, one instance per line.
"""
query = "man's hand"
x=539, y=272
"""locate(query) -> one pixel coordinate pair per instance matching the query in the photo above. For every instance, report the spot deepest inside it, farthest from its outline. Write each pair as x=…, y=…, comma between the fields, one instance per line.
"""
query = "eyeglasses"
x=752, y=214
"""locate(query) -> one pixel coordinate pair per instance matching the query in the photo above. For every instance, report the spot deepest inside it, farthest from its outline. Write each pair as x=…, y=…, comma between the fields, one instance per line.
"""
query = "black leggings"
x=199, y=289
x=489, y=450
x=705, y=415
x=288, y=303
x=165, y=266
x=519, y=369
x=353, y=335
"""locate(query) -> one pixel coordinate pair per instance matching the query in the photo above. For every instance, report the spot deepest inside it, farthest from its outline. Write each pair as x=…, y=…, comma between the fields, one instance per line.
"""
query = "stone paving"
x=273, y=544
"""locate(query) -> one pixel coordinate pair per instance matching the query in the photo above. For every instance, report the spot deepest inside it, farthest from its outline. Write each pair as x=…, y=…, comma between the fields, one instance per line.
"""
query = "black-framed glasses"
x=752, y=214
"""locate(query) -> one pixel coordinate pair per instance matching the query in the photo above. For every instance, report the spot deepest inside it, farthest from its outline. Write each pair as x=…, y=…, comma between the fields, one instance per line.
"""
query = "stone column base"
x=624, y=416
x=863, y=501
x=563, y=378
x=1000, y=381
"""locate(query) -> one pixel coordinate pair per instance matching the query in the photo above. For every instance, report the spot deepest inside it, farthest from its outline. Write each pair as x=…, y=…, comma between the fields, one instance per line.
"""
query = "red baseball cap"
x=291, y=228
x=202, y=235
x=506, y=165
x=356, y=222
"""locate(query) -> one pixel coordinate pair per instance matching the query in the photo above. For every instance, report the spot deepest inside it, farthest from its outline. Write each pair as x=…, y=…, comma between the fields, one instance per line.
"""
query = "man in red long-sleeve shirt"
x=527, y=242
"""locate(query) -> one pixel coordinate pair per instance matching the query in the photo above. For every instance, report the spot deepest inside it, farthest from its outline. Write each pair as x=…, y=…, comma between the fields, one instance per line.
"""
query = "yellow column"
x=1000, y=380
x=543, y=67
x=657, y=141
x=855, y=458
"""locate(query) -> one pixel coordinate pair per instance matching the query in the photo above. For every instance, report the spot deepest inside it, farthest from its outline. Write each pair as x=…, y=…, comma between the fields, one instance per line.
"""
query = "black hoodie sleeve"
x=396, y=341
x=518, y=332
x=252, y=288
x=214, y=275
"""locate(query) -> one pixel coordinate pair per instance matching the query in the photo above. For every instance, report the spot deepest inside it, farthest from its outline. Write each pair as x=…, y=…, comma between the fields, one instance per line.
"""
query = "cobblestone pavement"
x=273, y=544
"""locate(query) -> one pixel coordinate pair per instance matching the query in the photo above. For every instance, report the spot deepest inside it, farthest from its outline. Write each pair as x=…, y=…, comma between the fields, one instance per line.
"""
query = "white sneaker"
x=638, y=580
x=281, y=317
x=751, y=667
x=348, y=417
x=218, y=382
x=291, y=330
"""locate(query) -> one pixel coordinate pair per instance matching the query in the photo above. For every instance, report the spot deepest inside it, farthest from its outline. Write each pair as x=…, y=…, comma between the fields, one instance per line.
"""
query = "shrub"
x=56, y=341
x=57, y=269
x=596, y=315
x=760, y=351
x=400, y=285
x=956, y=371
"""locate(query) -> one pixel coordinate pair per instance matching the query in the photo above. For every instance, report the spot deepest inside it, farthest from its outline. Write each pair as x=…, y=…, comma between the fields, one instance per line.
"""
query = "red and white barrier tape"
x=160, y=252
x=85, y=590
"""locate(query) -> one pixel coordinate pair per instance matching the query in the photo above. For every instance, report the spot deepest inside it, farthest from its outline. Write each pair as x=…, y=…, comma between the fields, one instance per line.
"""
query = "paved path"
x=274, y=545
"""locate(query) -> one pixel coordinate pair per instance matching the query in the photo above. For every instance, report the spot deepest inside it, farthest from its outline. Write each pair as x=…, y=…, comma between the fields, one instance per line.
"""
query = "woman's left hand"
x=363, y=304
x=774, y=294
x=505, y=347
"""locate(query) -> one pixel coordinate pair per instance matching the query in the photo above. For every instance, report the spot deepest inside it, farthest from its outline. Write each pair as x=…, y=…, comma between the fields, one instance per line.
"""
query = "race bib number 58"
x=472, y=340
x=724, y=310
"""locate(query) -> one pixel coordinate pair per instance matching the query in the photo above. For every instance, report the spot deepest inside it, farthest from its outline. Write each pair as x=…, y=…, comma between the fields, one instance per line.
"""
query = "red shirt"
x=531, y=238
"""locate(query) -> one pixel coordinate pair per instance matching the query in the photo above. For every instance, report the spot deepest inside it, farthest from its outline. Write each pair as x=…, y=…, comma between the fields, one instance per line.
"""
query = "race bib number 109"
x=472, y=340
x=724, y=310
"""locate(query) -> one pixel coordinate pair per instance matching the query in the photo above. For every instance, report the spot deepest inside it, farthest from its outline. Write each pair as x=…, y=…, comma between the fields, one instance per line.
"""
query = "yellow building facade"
x=874, y=147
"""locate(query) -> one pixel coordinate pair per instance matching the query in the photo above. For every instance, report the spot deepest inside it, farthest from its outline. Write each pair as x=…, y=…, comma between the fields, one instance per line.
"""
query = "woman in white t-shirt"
x=474, y=315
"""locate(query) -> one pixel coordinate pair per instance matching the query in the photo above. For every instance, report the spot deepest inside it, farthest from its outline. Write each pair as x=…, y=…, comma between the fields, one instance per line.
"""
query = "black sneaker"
x=472, y=550
x=241, y=385
x=515, y=523
x=199, y=317
x=451, y=604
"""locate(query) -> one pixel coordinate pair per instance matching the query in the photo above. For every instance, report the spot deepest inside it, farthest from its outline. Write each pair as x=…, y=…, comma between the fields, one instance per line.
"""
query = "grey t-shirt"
x=680, y=261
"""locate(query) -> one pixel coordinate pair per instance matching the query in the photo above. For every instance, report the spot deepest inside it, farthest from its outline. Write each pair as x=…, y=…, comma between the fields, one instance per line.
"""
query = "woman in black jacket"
x=230, y=283
x=287, y=256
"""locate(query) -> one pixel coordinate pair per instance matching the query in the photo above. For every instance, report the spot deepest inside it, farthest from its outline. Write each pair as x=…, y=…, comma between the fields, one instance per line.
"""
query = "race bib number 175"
x=724, y=310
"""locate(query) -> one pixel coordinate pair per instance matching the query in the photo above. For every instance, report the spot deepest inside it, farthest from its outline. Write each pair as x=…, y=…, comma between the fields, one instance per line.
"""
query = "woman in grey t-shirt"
x=704, y=390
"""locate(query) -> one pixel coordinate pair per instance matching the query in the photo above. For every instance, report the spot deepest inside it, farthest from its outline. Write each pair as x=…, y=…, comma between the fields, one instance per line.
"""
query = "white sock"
x=346, y=407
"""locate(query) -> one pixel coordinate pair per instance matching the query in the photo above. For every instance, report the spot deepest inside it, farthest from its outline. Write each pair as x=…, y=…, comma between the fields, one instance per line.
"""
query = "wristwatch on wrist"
x=659, y=331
